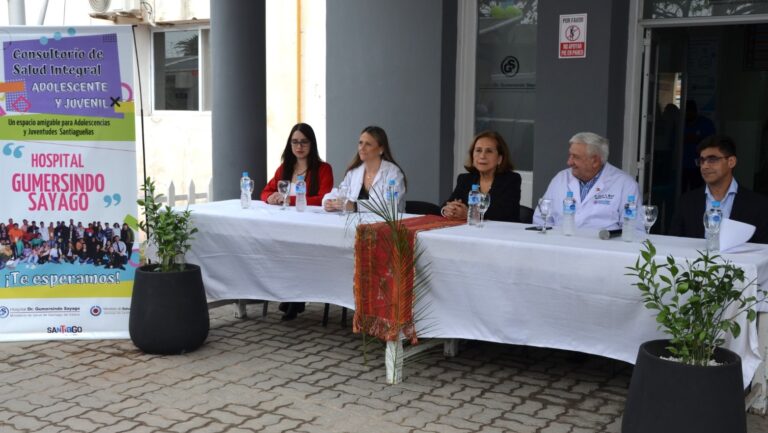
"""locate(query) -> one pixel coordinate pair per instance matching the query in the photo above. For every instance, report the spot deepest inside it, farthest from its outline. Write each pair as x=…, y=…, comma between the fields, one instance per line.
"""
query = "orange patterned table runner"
x=385, y=268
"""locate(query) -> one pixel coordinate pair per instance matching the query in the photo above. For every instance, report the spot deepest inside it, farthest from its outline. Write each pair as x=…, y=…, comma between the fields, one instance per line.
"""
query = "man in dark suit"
x=717, y=159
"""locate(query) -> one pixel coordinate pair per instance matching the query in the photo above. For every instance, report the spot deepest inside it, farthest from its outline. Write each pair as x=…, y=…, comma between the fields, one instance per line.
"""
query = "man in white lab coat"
x=599, y=189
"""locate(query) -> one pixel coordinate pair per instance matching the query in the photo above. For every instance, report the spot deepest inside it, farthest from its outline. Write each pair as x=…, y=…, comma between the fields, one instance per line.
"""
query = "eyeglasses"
x=300, y=143
x=709, y=160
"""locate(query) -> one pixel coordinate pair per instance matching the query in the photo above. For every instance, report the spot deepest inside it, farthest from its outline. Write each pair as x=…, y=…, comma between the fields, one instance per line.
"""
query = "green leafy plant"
x=168, y=230
x=697, y=303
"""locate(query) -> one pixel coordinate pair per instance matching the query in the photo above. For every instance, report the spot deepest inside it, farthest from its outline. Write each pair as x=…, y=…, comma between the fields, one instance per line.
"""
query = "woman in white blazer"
x=369, y=173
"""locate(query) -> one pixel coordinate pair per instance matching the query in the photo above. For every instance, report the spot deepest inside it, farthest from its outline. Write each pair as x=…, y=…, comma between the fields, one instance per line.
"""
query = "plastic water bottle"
x=630, y=218
x=391, y=195
x=301, y=194
x=473, y=206
x=712, y=219
x=569, y=214
x=246, y=188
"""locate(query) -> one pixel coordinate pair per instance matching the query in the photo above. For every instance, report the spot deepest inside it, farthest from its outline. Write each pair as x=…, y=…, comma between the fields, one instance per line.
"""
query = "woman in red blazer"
x=301, y=158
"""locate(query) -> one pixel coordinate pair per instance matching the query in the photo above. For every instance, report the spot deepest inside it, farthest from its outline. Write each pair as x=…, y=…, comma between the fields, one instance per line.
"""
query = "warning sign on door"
x=573, y=36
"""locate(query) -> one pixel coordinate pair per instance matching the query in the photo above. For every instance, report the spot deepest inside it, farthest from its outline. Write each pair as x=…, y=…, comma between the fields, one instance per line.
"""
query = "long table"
x=498, y=283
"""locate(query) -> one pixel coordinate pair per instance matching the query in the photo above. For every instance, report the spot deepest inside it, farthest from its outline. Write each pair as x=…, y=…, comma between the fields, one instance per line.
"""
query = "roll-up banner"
x=67, y=182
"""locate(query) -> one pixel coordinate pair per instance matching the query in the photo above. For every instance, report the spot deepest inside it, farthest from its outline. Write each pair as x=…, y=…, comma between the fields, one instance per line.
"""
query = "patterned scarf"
x=384, y=276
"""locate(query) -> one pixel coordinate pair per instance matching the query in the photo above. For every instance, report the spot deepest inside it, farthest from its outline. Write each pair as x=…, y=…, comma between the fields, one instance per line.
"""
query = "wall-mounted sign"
x=573, y=36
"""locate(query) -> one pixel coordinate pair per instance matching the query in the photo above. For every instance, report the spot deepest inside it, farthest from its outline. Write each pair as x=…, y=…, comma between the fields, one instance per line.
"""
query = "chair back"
x=421, y=208
x=526, y=214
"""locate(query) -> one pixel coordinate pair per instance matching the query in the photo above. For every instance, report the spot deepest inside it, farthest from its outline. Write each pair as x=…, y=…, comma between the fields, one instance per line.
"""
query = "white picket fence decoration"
x=191, y=198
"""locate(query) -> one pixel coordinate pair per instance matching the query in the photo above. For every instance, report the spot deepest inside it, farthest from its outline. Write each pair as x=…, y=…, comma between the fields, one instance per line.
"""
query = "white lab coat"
x=353, y=180
x=602, y=208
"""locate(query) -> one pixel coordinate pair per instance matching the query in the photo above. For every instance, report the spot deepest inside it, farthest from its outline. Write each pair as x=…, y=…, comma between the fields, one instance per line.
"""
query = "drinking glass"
x=545, y=209
x=485, y=203
x=284, y=188
x=343, y=195
x=650, y=213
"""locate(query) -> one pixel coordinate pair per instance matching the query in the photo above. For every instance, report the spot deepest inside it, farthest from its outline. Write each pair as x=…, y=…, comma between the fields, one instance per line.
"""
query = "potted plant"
x=689, y=383
x=169, y=310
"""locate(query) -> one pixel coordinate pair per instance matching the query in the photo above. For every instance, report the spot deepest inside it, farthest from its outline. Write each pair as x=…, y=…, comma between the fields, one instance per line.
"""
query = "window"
x=656, y=9
x=181, y=63
x=506, y=75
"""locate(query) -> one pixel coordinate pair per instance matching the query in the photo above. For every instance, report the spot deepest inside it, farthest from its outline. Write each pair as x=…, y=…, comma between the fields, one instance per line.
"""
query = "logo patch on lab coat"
x=604, y=198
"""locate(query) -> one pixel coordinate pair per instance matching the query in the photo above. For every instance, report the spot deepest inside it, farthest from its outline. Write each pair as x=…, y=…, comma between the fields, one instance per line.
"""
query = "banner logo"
x=64, y=329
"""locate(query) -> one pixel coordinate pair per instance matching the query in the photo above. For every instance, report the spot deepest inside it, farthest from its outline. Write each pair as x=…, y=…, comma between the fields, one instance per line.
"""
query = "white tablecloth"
x=497, y=283
x=273, y=254
x=505, y=284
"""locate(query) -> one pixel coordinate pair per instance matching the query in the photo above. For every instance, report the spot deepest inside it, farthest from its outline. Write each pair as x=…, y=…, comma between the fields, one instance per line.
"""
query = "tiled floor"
x=264, y=375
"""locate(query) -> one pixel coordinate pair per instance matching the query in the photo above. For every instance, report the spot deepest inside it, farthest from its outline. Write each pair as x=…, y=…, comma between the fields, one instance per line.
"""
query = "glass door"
x=699, y=81
x=663, y=102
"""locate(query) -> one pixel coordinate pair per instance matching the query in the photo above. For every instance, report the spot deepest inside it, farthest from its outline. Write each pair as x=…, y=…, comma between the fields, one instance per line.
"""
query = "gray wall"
x=576, y=95
x=239, y=112
x=391, y=63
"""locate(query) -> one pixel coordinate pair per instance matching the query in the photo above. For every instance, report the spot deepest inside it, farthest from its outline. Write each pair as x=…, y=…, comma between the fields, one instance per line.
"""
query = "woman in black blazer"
x=490, y=166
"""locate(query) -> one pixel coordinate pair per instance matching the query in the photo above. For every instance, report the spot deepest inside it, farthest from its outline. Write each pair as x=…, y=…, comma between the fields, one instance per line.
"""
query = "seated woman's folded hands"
x=454, y=209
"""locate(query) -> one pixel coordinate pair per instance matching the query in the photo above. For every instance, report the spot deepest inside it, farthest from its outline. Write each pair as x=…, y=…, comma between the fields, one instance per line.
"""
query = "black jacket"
x=505, y=194
x=748, y=207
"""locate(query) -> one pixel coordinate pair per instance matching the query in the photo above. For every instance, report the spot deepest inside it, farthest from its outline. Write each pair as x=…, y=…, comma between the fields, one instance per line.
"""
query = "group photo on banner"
x=67, y=182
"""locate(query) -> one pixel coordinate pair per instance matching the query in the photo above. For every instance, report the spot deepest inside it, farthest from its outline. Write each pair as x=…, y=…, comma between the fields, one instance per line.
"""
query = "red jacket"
x=324, y=177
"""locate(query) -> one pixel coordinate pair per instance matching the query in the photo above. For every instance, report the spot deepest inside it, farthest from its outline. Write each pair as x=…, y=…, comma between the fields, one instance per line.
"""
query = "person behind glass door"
x=490, y=166
x=696, y=129
x=369, y=172
x=301, y=158
x=761, y=176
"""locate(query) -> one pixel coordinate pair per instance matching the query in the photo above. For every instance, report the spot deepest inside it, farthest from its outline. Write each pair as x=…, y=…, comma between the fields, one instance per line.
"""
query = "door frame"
x=648, y=101
x=636, y=46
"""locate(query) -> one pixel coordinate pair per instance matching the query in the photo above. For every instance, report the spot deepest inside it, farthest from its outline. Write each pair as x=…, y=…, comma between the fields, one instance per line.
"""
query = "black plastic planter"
x=667, y=396
x=169, y=311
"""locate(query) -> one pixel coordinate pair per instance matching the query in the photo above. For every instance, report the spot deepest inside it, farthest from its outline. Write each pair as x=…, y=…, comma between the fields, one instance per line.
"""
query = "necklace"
x=370, y=174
